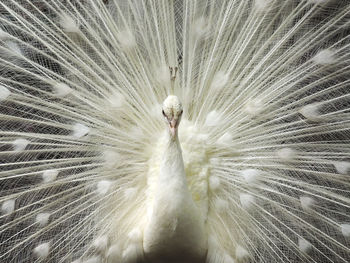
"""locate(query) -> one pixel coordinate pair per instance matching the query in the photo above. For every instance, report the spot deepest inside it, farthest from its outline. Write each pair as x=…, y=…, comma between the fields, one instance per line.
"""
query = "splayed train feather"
x=265, y=132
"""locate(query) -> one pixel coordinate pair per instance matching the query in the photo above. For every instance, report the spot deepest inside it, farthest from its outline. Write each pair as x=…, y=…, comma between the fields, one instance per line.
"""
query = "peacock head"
x=172, y=112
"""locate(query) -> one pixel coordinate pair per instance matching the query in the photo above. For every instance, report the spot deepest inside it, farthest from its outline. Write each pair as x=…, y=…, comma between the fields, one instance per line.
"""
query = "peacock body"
x=175, y=230
x=257, y=171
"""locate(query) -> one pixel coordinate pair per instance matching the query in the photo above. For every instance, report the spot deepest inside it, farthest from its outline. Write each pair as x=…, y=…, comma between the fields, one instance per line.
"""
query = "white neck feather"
x=172, y=166
x=175, y=229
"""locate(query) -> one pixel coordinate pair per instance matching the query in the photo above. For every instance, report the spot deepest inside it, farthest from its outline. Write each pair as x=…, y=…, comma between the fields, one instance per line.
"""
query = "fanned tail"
x=265, y=136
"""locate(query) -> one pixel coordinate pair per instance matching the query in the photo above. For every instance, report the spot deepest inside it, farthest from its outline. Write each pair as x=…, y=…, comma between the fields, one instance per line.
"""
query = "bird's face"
x=172, y=112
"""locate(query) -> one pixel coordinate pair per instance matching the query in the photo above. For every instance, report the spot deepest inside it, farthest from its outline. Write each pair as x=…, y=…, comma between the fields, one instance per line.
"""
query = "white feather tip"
x=110, y=157
x=325, y=57
x=241, y=253
x=212, y=119
x=3, y=35
x=8, y=206
x=286, y=154
x=61, y=89
x=20, y=144
x=200, y=27
x=4, y=93
x=254, y=107
x=342, y=167
x=103, y=187
x=247, y=200
x=126, y=39
x=49, y=175
x=42, y=251
x=250, y=175
x=42, y=219
x=311, y=112
x=220, y=79
x=345, y=229
x=14, y=48
x=225, y=139
x=304, y=245
x=80, y=130
x=69, y=24
x=306, y=202
x=116, y=100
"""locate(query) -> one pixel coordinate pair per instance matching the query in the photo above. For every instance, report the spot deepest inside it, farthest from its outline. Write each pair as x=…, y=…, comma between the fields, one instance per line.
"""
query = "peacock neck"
x=172, y=166
x=175, y=229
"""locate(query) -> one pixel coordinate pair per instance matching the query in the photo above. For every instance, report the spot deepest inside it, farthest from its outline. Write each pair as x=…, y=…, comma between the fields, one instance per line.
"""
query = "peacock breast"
x=175, y=232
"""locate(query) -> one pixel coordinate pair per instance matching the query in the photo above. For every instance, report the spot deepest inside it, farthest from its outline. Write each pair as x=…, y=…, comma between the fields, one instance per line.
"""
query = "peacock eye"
x=181, y=112
x=163, y=113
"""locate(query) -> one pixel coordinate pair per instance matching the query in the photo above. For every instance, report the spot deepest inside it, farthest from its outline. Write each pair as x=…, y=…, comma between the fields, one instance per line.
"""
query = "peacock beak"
x=173, y=126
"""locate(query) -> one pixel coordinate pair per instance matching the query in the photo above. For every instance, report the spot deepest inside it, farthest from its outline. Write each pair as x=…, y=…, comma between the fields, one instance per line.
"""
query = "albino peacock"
x=258, y=170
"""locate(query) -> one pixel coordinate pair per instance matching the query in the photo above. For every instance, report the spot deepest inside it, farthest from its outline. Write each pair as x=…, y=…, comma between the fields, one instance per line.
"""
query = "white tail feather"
x=264, y=87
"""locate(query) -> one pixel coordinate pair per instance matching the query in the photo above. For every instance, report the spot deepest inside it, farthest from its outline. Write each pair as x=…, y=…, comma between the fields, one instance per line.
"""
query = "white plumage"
x=174, y=230
x=256, y=171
